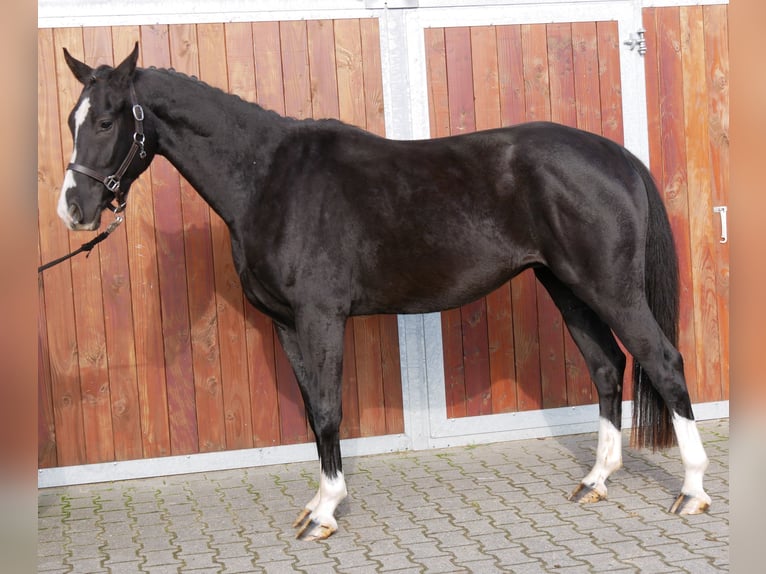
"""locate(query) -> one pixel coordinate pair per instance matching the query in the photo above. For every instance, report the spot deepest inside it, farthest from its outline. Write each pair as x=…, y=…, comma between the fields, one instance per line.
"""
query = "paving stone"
x=487, y=508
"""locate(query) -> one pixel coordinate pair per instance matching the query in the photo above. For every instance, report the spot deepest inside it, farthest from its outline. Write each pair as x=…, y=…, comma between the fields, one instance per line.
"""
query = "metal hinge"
x=637, y=41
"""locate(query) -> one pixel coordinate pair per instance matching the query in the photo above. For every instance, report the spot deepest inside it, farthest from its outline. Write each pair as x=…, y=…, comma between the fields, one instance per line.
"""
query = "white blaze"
x=79, y=119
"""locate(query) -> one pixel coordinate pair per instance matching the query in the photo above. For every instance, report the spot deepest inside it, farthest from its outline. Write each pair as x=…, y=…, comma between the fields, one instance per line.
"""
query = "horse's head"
x=109, y=149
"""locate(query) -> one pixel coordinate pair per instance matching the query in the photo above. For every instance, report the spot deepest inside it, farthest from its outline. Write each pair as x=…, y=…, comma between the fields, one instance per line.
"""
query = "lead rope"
x=85, y=246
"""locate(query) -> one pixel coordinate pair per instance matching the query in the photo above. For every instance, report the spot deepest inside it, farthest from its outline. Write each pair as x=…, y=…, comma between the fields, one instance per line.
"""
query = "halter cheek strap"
x=112, y=182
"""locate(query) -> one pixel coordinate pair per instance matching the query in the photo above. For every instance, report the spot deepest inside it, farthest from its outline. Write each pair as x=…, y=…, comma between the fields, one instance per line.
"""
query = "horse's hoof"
x=690, y=504
x=310, y=529
x=302, y=518
x=588, y=493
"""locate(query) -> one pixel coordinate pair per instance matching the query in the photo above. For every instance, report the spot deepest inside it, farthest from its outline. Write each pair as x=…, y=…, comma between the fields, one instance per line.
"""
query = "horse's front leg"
x=315, y=351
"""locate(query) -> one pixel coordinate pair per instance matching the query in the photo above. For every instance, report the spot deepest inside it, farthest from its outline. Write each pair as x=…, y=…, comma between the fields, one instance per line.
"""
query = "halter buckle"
x=112, y=184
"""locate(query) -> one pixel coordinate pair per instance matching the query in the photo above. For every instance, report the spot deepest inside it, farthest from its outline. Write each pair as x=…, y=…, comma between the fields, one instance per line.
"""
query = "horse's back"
x=413, y=226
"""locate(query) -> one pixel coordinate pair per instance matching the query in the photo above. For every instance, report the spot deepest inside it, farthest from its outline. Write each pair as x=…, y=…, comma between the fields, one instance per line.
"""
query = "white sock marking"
x=330, y=494
x=608, y=456
x=692, y=454
x=62, y=209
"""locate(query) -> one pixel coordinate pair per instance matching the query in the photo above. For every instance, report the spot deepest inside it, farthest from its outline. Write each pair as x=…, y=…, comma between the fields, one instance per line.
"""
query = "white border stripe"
x=73, y=13
x=543, y=423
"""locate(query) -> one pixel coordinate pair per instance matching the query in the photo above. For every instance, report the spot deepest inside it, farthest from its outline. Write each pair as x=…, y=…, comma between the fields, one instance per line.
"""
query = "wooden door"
x=510, y=351
x=147, y=347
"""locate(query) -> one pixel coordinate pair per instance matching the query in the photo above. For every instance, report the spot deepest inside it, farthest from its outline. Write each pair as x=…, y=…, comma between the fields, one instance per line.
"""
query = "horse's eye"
x=106, y=125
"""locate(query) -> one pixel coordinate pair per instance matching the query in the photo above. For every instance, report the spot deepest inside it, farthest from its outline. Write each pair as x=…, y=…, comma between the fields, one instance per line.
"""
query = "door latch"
x=721, y=210
x=637, y=41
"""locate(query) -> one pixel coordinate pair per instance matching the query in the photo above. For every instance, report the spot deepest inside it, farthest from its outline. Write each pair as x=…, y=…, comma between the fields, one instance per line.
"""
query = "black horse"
x=329, y=221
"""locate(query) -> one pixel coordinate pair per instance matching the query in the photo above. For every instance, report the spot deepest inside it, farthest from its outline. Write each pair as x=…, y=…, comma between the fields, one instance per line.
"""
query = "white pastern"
x=693, y=456
x=331, y=492
x=62, y=209
x=608, y=456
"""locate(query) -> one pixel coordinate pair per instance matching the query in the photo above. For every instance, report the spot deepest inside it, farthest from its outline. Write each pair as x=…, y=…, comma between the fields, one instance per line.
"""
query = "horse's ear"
x=81, y=71
x=123, y=74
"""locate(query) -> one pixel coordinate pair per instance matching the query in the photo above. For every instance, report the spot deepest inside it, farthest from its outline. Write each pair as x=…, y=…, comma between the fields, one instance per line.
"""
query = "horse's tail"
x=652, y=420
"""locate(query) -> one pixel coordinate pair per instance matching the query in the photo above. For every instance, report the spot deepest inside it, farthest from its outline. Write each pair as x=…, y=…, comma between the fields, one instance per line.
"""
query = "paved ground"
x=489, y=508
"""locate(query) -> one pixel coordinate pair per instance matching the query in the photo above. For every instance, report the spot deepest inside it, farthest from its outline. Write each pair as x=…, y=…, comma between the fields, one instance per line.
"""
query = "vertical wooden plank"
x=292, y=415
x=208, y=392
x=717, y=67
x=439, y=112
x=375, y=122
x=651, y=71
x=486, y=88
x=230, y=299
x=144, y=293
x=587, y=90
x=46, y=422
x=701, y=215
x=57, y=281
x=88, y=308
x=551, y=339
x=674, y=181
x=322, y=73
x=561, y=74
x=362, y=382
x=260, y=336
x=267, y=54
x=489, y=332
x=350, y=425
x=513, y=110
x=297, y=97
x=87, y=283
x=372, y=416
x=263, y=378
x=609, y=80
x=436, y=70
x=295, y=69
x=392, y=373
x=578, y=386
x=510, y=63
x=457, y=42
x=350, y=73
x=476, y=358
x=169, y=235
x=373, y=76
x=547, y=44
x=118, y=315
x=218, y=43
x=501, y=394
x=473, y=316
x=535, y=61
x=454, y=376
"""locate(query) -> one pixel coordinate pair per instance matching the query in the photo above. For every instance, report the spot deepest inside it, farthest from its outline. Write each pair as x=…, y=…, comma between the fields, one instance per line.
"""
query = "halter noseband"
x=112, y=182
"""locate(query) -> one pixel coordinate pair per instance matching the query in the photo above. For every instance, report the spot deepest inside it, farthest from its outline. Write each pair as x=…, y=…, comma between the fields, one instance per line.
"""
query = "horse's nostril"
x=75, y=214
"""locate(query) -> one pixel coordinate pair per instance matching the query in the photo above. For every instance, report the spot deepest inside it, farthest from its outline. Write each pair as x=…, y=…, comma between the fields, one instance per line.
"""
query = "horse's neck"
x=219, y=143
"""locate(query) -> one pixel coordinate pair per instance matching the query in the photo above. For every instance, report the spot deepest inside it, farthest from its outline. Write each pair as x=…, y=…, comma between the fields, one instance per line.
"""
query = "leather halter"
x=112, y=182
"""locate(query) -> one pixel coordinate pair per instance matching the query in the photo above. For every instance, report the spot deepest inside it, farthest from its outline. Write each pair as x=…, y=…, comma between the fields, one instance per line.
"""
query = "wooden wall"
x=687, y=71
x=147, y=347
x=510, y=351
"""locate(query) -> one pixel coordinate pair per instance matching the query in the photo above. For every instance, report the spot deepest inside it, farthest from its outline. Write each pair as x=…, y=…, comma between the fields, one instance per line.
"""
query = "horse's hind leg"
x=606, y=364
x=315, y=352
x=663, y=365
